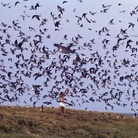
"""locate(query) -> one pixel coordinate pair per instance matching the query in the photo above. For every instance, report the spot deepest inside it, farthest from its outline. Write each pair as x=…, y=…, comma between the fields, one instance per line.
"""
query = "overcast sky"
x=100, y=25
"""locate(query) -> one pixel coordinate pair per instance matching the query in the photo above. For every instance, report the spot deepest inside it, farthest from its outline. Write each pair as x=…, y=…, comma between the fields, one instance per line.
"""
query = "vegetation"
x=22, y=122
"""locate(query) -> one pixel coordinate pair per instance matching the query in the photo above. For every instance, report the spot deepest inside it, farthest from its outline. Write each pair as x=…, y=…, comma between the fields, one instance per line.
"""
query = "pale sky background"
x=122, y=12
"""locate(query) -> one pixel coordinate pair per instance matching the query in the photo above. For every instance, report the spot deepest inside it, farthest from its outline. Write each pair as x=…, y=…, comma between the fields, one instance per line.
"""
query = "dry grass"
x=21, y=122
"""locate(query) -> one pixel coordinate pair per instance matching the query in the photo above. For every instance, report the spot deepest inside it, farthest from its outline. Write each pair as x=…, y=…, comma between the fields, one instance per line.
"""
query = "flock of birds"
x=40, y=71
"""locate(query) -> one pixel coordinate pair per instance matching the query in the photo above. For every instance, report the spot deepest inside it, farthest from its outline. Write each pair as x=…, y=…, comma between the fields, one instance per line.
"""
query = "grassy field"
x=20, y=122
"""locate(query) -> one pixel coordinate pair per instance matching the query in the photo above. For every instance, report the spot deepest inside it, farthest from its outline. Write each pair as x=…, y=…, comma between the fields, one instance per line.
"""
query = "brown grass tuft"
x=31, y=123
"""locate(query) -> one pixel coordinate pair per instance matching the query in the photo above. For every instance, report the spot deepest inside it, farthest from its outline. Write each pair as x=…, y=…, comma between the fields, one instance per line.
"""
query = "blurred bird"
x=36, y=16
x=64, y=49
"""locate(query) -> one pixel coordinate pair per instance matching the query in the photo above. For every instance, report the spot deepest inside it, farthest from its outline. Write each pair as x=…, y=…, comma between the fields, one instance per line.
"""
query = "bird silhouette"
x=36, y=16
x=64, y=49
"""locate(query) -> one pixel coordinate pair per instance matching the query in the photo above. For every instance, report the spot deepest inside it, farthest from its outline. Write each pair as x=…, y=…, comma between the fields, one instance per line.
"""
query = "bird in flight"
x=65, y=49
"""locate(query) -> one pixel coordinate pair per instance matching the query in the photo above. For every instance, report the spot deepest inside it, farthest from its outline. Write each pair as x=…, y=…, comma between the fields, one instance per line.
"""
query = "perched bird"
x=42, y=108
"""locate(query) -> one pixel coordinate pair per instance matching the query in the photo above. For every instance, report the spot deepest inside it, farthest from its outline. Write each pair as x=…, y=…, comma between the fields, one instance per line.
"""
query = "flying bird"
x=36, y=16
x=64, y=49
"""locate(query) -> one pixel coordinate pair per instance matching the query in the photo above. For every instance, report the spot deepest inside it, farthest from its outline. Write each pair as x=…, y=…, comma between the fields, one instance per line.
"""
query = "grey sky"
x=122, y=13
